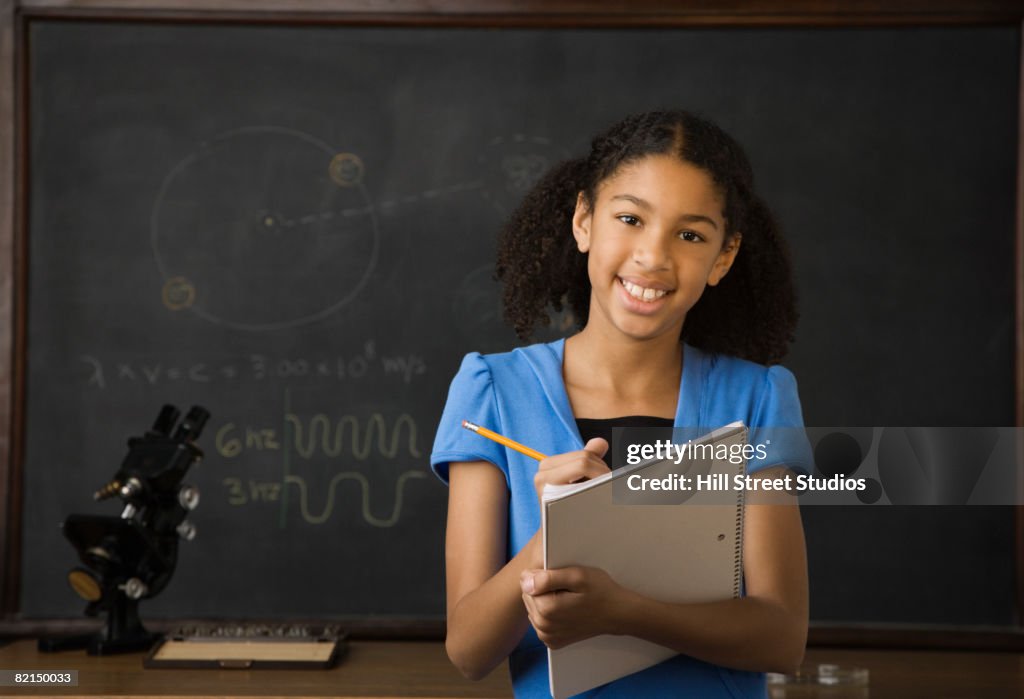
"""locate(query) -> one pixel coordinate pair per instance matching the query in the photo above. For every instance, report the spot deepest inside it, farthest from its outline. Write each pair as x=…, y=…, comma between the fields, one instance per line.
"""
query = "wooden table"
x=901, y=674
x=368, y=669
x=421, y=669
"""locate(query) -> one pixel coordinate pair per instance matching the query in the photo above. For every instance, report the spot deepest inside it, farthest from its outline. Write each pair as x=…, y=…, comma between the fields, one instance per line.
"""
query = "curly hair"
x=750, y=314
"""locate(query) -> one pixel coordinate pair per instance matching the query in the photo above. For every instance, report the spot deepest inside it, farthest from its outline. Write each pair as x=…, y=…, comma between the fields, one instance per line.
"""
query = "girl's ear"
x=725, y=259
x=581, y=219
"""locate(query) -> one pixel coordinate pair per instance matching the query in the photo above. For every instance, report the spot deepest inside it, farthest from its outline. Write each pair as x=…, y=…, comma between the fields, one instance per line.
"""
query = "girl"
x=658, y=241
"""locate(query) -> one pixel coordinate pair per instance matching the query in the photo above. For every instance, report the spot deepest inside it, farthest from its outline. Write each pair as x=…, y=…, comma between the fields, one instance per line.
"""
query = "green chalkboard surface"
x=294, y=227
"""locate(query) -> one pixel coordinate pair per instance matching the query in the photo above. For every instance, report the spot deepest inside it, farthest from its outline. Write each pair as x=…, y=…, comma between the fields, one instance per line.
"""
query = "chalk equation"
x=102, y=372
x=251, y=491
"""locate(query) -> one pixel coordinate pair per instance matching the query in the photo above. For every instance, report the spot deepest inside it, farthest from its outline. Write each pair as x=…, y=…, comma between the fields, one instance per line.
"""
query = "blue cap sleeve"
x=778, y=425
x=470, y=397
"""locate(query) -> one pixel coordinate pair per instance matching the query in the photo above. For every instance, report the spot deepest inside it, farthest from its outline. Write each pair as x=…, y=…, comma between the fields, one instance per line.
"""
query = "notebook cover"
x=684, y=553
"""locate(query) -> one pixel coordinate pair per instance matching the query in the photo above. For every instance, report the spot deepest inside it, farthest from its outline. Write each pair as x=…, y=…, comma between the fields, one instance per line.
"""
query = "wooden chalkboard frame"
x=17, y=15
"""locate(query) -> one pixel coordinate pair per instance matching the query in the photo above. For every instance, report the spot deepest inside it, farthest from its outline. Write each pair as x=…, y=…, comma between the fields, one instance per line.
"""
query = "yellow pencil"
x=484, y=432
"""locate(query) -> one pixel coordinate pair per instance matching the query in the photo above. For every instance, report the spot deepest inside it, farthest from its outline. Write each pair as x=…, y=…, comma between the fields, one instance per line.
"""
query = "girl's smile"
x=642, y=296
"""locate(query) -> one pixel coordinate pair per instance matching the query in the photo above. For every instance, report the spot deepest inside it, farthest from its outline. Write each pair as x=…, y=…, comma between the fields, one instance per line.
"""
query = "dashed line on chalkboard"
x=386, y=204
x=520, y=138
x=368, y=516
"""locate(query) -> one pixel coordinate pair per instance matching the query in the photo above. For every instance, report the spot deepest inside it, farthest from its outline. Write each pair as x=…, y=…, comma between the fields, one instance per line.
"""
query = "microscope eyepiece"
x=165, y=420
x=192, y=425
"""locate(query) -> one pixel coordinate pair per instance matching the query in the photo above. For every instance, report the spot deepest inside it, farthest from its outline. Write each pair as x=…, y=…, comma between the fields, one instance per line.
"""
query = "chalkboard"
x=294, y=227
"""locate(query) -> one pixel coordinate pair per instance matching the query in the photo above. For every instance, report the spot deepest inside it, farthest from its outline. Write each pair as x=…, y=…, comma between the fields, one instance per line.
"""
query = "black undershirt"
x=591, y=427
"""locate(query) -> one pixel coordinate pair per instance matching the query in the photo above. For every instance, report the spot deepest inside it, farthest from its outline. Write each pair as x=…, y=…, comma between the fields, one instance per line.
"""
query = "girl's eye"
x=629, y=220
x=691, y=236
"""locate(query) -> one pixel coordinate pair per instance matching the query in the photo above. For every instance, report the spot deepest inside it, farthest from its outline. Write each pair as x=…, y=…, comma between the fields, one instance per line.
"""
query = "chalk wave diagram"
x=264, y=228
x=364, y=494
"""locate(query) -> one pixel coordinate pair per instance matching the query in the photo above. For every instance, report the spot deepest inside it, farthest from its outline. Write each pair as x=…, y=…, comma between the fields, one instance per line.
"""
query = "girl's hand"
x=567, y=605
x=572, y=466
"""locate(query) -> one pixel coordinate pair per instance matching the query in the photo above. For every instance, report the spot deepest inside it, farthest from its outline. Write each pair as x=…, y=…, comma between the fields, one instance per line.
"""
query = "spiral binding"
x=737, y=578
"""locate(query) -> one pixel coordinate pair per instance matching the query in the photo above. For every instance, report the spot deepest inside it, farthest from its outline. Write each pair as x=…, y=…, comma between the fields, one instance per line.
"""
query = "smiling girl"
x=658, y=243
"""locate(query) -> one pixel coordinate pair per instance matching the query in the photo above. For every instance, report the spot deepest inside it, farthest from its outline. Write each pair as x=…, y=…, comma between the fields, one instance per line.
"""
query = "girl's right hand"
x=572, y=466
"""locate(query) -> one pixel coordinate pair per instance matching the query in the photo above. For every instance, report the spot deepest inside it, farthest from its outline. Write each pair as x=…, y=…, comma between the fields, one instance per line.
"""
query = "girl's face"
x=655, y=238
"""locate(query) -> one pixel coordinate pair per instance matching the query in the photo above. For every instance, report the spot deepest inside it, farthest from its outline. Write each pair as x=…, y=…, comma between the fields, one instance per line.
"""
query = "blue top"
x=521, y=394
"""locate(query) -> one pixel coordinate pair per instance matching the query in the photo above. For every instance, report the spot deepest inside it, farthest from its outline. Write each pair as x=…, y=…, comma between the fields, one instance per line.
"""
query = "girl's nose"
x=651, y=251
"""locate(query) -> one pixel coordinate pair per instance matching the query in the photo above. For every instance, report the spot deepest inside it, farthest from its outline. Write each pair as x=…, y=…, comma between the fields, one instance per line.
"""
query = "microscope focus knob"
x=188, y=497
x=132, y=488
x=85, y=583
x=134, y=588
x=187, y=530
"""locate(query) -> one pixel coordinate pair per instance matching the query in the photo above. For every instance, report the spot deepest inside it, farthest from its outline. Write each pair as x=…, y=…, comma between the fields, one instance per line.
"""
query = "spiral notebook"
x=686, y=549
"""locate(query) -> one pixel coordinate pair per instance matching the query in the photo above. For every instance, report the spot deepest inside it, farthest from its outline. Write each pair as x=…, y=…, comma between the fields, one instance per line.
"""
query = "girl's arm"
x=486, y=616
x=766, y=631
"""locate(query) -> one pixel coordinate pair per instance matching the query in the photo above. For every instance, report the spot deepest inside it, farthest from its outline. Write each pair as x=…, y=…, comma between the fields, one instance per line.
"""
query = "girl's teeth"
x=641, y=293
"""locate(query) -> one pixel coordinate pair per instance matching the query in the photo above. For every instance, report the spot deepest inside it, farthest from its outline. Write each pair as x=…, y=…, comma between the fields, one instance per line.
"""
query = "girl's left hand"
x=567, y=605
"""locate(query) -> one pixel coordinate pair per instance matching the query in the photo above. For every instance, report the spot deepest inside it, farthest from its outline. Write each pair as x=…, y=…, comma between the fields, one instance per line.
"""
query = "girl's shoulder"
x=543, y=359
x=725, y=368
x=765, y=399
x=739, y=389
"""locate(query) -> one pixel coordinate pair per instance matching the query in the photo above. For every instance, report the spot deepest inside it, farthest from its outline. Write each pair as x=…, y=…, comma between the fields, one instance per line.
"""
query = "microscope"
x=131, y=557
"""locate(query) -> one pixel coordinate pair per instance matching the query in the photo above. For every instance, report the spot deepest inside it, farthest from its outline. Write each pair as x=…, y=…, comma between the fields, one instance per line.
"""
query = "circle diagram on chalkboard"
x=513, y=164
x=264, y=228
